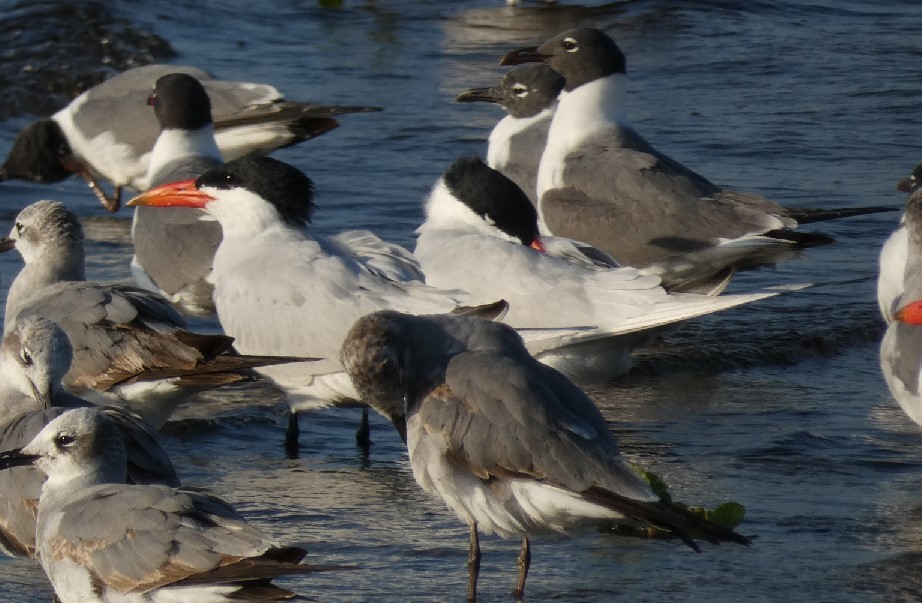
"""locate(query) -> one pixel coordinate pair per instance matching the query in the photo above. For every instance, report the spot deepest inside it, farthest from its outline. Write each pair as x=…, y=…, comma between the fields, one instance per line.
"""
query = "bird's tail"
x=668, y=516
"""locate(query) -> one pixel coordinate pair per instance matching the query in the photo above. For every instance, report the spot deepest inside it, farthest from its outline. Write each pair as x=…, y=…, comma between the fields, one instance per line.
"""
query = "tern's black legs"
x=524, y=563
x=473, y=564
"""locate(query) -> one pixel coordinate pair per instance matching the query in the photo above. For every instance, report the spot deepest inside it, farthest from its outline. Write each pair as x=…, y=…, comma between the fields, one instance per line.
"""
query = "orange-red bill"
x=537, y=245
x=175, y=194
x=911, y=313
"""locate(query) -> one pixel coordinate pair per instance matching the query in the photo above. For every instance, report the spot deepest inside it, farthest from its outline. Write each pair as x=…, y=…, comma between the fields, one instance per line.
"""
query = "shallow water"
x=779, y=406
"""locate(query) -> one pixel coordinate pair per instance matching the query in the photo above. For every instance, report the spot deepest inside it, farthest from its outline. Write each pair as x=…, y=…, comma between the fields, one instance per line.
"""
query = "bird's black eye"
x=520, y=90
x=19, y=227
x=231, y=179
x=25, y=357
x=63, y=440
x=570, y=45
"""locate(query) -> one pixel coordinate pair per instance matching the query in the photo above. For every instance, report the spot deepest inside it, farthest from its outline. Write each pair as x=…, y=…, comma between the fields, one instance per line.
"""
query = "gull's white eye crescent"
x=25, y=356
x=570, y=45
x=520, y=90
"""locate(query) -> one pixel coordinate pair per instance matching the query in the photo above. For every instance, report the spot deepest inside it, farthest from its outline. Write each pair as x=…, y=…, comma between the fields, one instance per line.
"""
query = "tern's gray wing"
x=138, y=538
x=115, y=330
x=386, y=260
x=640, y=206
x=174, y=246
x=505, y=417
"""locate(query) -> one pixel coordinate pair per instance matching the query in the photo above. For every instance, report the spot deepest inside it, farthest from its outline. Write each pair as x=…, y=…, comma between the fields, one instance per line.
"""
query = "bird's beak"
x=905, y=185
x=6, y=244
x=911, y=313
x=537, y=245
x=524, y=55
x=16, y=458
x=478, y=94
x=176, y=194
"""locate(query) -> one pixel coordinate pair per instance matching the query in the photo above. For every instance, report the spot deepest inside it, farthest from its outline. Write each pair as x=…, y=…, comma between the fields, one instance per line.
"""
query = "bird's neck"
x=63, y=484
x=498, y=149
x=65, y=264
x=580, y=114
x=175, y=143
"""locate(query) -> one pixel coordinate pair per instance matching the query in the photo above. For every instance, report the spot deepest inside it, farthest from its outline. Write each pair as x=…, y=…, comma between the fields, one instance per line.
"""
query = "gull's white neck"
x=52, y=264
x=580, y=113
x=176, y=143
x=498, y=147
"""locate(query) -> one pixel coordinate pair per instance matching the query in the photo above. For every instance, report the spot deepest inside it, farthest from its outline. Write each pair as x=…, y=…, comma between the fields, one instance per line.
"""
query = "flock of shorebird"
x=533, y=273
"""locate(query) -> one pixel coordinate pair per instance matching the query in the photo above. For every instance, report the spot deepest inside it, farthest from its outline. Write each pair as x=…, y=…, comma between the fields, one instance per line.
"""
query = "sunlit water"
x=779, y=406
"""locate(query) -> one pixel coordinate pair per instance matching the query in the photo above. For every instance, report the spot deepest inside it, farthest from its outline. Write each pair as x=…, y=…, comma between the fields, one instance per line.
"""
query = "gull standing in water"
x=101, y=540
x=600, y=182
x=529, y=94
x=116, y=331
x=107, y=132
x=481, y=235
x=510, y=445
x=174, y=248
x=281, y=290
x=34, y=358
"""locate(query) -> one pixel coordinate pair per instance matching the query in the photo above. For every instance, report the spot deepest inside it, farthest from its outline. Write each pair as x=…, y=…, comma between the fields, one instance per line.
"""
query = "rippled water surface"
x=779, y=406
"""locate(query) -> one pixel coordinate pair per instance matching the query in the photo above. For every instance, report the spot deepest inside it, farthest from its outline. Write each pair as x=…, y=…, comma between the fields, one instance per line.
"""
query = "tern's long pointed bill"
x=537, y=245
x=16, y=458
x=6, y=244
x=524, y=55
x=474, y=95
x=911, y=313
x=176, y=194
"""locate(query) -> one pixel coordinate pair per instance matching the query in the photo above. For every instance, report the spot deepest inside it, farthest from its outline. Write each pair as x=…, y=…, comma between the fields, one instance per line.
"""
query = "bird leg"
x=292, y=435
x=524, y=563
x=363, y=434
x=79, y=167
x=473, y=564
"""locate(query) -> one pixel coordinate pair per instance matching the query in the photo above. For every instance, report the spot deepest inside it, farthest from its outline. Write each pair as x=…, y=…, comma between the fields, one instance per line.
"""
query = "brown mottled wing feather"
x=516, y=417
x=118, y=331
x=138, y=538
x=617, y=183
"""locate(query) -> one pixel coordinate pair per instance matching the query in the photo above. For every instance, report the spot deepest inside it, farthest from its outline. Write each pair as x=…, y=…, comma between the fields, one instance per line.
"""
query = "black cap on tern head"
x=180, y=101
x=38, y=154
x=581, y=55
x=287, y=188
x=494, y=197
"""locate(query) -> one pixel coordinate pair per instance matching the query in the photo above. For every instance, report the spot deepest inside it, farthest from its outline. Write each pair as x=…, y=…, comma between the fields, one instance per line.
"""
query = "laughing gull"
x=281, y=290
x=33, y=360
x=117, y=331
x=174, y=248
x=529, y=94
x=108, y=133
x=101, y=540
x=481, y=235
x=895, y=252
x=510, y=445
x=600, y=182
